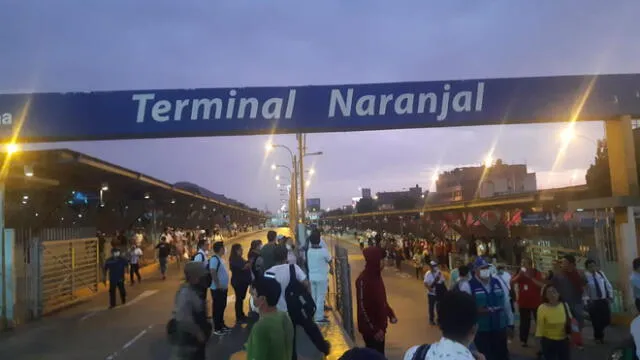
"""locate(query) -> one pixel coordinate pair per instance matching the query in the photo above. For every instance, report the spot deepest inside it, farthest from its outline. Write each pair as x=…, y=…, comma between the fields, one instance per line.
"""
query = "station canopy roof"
x=68, y=170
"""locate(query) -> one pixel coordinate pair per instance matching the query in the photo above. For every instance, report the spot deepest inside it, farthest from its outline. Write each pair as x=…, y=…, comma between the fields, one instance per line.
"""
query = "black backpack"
x=421, y=352
x=300, y=304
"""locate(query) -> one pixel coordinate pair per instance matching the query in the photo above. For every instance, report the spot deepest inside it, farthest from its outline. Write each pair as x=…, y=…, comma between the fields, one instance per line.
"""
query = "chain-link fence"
x=342, y=277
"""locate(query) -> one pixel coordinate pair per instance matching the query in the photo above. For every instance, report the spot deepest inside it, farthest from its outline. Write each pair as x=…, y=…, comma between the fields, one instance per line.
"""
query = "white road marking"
x=129, y=343
x=145, y=294
x=96, y=311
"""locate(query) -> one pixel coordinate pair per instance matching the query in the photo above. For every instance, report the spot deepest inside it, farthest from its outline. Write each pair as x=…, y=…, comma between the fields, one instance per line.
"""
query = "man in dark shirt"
x=164, y=250
x=268, y=251
x=116, y=266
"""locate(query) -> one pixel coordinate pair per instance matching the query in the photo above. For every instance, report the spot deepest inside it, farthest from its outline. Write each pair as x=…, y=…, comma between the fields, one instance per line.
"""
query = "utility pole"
x=301, y=151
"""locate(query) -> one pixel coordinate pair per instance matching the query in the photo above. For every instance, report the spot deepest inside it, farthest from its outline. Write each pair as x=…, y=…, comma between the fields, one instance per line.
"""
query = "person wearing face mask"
x=458, y=317
x=495, y=314
x=116, y=267
x=435, y=283
x=271, y=338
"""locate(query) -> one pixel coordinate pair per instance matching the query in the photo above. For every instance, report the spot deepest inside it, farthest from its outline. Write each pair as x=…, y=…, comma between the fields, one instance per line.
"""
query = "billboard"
x=161, y=113
x=313, y=205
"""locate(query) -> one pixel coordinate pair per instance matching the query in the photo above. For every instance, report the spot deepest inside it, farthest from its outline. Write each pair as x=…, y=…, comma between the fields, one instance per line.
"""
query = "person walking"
x=319, y=263
x=134, y=263
x=240, y=279
x=600, y=295
x=219, y=288
x=373, y=309
x=164, y=251
x=495, y=315
x=190, y=330
x=116, y=267
x=434, y=282
x=529, y=283
x=551, y=325
x=570, y=283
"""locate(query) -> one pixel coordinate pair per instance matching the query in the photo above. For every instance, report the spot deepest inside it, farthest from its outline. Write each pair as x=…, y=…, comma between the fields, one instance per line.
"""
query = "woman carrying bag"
x=553, y=326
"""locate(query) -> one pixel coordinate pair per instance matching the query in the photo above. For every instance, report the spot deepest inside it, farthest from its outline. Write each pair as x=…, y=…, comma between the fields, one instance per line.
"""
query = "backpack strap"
x=292, y=273
x=421, y=352
x=219, y=262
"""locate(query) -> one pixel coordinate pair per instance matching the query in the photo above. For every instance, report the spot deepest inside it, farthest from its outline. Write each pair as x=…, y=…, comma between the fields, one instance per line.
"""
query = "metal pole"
x=301, y=151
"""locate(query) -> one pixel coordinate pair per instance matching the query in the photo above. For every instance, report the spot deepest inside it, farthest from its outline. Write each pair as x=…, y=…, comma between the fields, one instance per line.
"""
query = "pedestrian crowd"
x=286, y=288
x=557, y=302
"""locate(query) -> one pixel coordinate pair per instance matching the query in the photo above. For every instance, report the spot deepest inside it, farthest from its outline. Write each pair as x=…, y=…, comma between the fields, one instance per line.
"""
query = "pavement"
x=136, y=331
x=407, y=297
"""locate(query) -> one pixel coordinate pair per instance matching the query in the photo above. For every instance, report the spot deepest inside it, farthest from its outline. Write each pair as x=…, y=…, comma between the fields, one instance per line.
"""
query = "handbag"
x=572, y=328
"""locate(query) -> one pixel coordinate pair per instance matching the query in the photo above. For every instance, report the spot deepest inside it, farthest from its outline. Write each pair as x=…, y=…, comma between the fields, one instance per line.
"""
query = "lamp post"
x=293, y=213
x=302, y=153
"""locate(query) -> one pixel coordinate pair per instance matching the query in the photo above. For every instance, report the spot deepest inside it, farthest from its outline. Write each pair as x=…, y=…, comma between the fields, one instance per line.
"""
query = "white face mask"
x=288, y=247
x=116, y=254
x=485, y=273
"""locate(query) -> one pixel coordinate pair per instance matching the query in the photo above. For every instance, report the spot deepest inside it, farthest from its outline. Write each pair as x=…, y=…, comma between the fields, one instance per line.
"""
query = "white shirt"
x=602, y=282
x=443, y=349
x=318, y=260
x=505, y=277
x=463, y=285
x=281, y=274
x=430, y=280
x=635, y=333
x=134, y=255
x=201, y=256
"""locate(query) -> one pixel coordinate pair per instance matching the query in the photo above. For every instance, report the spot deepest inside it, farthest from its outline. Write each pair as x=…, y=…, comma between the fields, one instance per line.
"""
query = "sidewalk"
x=614, y=334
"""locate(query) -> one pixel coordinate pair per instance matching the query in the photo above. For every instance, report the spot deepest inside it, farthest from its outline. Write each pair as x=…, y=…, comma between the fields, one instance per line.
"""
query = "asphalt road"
x=407, y=297
x=135, y=331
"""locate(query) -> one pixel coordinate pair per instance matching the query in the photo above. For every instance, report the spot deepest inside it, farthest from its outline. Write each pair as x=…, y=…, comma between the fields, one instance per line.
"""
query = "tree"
x=598, y=177
x=365, y=205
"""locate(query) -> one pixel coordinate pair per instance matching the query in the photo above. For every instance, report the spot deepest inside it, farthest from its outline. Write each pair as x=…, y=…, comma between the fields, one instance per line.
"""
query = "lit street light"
x=488, y=161
x=277, y=177
x=12, y=148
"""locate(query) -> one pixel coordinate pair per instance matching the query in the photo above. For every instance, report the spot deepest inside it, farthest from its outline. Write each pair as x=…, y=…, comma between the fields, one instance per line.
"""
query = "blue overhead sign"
x=266, y=110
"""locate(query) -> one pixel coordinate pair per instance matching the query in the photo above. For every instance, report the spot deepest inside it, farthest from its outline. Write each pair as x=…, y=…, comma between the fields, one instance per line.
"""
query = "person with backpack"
x=188, y=329
x=458, y=320
x=219, y=288
x=201, y=257
x=296, y=299
x=374, y=311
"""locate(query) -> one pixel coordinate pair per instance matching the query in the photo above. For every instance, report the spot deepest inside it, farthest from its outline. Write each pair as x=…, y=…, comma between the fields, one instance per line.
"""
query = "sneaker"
x=226, y=329
x=219, y=332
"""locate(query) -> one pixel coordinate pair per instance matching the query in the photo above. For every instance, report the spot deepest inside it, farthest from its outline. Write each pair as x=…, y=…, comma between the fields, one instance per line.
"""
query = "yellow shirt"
x=551, y=322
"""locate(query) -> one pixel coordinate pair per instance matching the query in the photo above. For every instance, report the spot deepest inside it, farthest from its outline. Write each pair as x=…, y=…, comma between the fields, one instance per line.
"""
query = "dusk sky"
x=81, y=45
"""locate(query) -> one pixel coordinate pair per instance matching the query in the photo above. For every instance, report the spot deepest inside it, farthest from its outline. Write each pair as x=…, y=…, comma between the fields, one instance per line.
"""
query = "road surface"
x=135, y=331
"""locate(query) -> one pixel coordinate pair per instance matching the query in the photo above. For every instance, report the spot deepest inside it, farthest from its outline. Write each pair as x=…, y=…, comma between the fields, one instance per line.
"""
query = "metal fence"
x=52, y=267
x=68, y=268
x=342, y=276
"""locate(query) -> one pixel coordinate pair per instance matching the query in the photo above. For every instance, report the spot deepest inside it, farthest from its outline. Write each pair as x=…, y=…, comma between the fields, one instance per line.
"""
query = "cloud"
x=71, y=45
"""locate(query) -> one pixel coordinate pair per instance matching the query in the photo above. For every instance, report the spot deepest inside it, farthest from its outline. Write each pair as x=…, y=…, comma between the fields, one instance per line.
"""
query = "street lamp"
x=11, y=148
x=294, y=174
x=488, y=160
